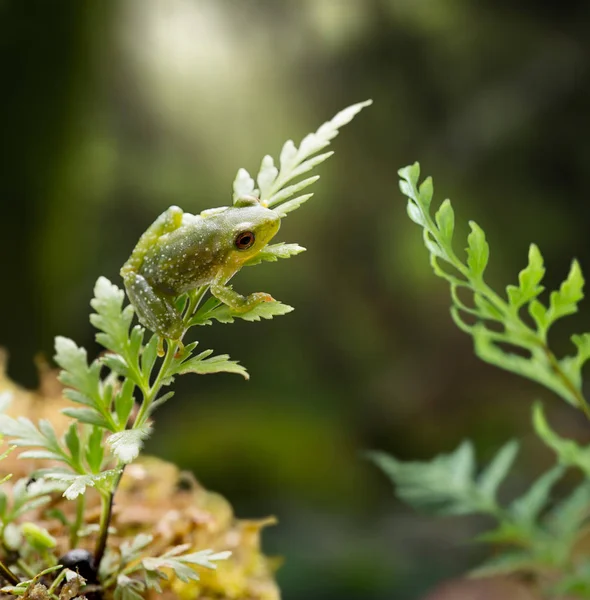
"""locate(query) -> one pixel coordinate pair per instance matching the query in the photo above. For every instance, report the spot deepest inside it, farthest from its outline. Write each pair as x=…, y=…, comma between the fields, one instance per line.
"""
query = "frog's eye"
x=244, y=240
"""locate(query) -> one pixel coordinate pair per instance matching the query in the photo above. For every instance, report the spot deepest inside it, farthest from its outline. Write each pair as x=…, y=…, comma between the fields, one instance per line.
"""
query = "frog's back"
x=186, y=258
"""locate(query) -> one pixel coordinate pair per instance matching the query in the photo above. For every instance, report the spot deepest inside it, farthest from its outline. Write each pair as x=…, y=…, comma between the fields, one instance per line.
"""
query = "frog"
x=180, y=252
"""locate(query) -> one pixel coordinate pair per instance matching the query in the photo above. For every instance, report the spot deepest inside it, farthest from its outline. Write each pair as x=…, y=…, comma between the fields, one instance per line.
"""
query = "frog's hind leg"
x=169, y=220
x=153, y=310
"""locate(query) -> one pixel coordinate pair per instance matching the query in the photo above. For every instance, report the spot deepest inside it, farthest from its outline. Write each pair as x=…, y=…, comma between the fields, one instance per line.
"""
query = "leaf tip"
x=410, y=173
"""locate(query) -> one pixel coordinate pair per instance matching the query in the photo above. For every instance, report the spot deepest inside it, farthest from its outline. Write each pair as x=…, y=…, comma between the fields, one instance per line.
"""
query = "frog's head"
x=249, y=229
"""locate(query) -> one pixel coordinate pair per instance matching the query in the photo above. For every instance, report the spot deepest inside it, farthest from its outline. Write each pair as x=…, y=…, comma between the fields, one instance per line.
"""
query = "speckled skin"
x=180, y=252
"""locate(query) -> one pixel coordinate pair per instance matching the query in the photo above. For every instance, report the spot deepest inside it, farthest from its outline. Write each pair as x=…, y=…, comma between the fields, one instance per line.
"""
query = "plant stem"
x=539, y=340
x=149, y=395
x=105, y=520
x=567, y=382
x=8, y=574
x=24, y=567
x=194, y=301
x=56, y=582
x=142, y=416
x=77, y=524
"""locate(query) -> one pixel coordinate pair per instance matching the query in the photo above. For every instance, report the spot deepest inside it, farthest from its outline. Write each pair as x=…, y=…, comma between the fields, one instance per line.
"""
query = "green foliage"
x=135, y=572
x=38, y=537
x=25, y=496
x=293, y=162
x=493, y=321
x=32, y=588
x=213, y=310
x=536, y=535
x=447, y=484
x=569, y=452
x=275, y=251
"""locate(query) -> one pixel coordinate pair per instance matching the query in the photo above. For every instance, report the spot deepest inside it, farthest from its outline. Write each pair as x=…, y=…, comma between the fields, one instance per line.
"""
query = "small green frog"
x=180, y=252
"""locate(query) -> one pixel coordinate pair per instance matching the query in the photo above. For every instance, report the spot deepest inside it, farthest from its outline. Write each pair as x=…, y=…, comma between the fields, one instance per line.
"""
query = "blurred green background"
x=112, y=111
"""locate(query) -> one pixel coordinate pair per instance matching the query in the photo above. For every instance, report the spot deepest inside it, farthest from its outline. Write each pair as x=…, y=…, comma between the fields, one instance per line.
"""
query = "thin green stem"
x=194, y=301
x=105, y=520
x=48, y=557
x=77, y=524
x=24, y=567
x=150, y=396
x=540, y=341
x=56, y=582
x=172, y=346
x=514, y=322
x=567, y=382
x=137, y=376
x=8, y=574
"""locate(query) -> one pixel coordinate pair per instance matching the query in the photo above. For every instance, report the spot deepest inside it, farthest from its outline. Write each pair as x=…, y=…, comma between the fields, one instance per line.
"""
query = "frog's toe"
x=259, y=297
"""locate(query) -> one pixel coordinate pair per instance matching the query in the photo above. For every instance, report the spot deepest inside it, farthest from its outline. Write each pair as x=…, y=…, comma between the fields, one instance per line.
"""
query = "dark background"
x=112, y=111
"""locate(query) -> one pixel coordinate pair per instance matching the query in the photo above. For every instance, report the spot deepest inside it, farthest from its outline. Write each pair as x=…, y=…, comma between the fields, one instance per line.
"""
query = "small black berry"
x=82, y=562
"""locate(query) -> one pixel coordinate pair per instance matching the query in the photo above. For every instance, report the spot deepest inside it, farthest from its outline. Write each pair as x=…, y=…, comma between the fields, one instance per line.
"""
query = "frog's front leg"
x=154, y=309
x=236, y=301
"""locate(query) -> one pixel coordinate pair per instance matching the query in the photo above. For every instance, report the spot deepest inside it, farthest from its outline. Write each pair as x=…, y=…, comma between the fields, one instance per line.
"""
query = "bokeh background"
x=114, y=110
